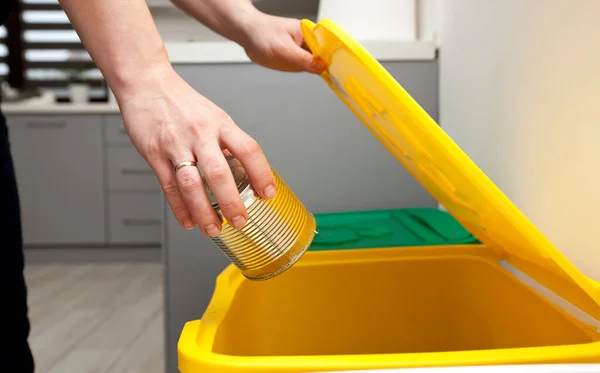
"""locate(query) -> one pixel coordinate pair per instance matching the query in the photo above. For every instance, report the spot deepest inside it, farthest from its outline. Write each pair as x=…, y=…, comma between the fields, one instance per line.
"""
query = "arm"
x=229, y=18
x=273, y=42
x=168, y=121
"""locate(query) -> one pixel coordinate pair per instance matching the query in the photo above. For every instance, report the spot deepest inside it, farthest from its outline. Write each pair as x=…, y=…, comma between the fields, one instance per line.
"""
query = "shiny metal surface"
x=181, y=165
x=277, y=233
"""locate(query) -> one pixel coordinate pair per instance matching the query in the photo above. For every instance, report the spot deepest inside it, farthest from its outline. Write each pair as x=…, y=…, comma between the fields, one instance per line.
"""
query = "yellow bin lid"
x=440, y=165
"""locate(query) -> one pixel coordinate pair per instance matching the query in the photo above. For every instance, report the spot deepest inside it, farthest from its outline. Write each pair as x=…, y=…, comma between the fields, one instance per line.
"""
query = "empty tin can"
x=276, y=235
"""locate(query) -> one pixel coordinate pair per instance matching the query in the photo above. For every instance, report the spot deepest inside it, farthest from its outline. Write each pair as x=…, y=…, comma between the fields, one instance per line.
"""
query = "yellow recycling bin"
x=514, y=299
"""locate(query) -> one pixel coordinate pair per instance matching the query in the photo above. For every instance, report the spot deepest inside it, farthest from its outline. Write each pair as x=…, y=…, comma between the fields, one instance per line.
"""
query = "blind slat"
x=51, y=83
x=61, y=65
x=47, y=26
x=33, y=6
x=53, y=45
x=50, y=47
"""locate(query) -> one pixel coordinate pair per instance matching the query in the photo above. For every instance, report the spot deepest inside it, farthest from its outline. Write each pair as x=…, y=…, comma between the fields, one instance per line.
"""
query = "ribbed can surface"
x=277, y=233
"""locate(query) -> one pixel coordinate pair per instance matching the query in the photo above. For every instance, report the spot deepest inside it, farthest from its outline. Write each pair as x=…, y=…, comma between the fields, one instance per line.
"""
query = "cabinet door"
x=135, y=218
x=58, y=161
x=115, y=132
x=128, y=171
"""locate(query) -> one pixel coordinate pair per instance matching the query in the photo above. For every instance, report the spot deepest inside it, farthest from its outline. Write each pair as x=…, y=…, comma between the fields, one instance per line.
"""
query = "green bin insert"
x=388, y=228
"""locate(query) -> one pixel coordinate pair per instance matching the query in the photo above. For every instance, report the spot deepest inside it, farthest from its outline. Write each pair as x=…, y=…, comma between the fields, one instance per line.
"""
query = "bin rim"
x=196, y=342
x=193, y=357
x=432, y=157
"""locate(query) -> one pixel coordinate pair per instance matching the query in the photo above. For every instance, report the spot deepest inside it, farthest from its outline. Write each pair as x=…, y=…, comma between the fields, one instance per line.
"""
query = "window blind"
x=52, y=53
x=3, y=53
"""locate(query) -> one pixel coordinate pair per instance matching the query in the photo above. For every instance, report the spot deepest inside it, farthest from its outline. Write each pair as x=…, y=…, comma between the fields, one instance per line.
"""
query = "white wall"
x=520, y=93
x=405, y=20
x=374, y=19
x=175, y=26
x=429, y=15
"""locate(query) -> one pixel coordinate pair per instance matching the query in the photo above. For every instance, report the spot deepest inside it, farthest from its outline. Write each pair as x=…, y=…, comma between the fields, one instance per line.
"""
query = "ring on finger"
x=181, y=165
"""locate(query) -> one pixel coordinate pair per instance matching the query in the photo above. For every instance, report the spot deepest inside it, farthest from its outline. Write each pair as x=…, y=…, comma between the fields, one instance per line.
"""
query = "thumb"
x=302, y=59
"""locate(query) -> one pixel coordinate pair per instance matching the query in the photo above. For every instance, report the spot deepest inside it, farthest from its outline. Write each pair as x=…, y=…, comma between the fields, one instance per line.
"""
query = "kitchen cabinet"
x=82, y=183
x=60, y=175
x=114, y=131
x=135, y=218
x=133, y=192
x=128, y=171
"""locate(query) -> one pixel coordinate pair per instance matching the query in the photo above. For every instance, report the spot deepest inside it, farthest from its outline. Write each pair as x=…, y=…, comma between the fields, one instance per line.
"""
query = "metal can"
x=277, y=233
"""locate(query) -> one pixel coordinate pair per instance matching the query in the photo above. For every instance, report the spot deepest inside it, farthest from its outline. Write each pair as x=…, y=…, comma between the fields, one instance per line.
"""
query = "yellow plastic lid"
x=440, y=165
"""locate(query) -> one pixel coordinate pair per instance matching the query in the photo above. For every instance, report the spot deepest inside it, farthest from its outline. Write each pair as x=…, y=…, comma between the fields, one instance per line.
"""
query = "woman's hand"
x=273, y=42
x=277, y=43
x=169, y=123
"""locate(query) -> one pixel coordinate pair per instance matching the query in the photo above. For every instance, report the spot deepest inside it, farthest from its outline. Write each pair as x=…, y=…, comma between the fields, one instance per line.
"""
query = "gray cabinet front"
x=59, y=167
x=135, y=218
x=133, y=192
x=115, y=131
x=127, y=170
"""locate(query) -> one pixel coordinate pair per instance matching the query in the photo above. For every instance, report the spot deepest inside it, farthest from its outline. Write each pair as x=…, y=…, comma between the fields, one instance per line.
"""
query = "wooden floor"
x=96, y=318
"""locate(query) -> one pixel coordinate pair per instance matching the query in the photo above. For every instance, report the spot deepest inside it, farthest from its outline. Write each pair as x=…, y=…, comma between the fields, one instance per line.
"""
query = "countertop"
x=229, y=52
x=25, y=108
x=223, y=53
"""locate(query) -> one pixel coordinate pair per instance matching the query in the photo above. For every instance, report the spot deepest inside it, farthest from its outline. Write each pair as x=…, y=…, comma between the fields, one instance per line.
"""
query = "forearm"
x=228, y=18
x=122, y=39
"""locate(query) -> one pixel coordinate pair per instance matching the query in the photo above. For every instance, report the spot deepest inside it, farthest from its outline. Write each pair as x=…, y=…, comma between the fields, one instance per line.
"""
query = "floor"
x=96, y=318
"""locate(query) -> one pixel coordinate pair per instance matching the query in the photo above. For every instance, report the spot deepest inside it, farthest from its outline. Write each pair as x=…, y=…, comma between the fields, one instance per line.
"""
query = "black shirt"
x=5, y=9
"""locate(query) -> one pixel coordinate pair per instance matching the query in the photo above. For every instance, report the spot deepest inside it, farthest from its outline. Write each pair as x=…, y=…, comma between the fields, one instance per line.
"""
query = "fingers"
x=301, y=55
x=187, y=197
x=301, y=58
x=193, y=193
x=221, y=182
x=252, y=158
x=168, y=182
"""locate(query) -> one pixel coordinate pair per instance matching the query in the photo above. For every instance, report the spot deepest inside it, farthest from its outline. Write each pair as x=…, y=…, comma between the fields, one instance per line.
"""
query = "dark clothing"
x=5, y=8
x=15, y=353
x=14, y=346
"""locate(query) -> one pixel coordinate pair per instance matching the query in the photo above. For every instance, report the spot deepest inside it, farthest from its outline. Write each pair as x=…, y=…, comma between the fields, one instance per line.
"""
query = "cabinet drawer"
x=127, y=170
x=115, y=130
x=135, y=218
x=59, y=167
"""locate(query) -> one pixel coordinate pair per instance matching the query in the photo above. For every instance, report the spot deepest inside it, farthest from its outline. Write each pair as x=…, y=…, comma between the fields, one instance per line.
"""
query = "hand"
x=168, y=123
x=277, y=43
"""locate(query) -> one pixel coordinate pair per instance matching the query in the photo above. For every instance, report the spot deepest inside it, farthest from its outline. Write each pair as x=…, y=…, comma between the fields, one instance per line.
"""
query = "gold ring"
x=186, y=163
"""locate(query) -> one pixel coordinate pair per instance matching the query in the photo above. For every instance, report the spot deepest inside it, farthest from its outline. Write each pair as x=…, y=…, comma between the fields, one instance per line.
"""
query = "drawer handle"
x=134, y=221
x=137, y=171
x=46, y=125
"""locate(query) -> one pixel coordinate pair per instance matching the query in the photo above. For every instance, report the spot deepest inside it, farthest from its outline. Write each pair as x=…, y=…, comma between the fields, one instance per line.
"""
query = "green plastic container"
x=388, y=228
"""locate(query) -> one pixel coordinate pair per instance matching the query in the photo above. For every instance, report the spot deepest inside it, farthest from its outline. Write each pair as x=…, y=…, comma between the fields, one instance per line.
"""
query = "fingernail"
x=318, y=65
x=238, y=221
x=212, y=230
x=188, y=224
x=269, y=192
